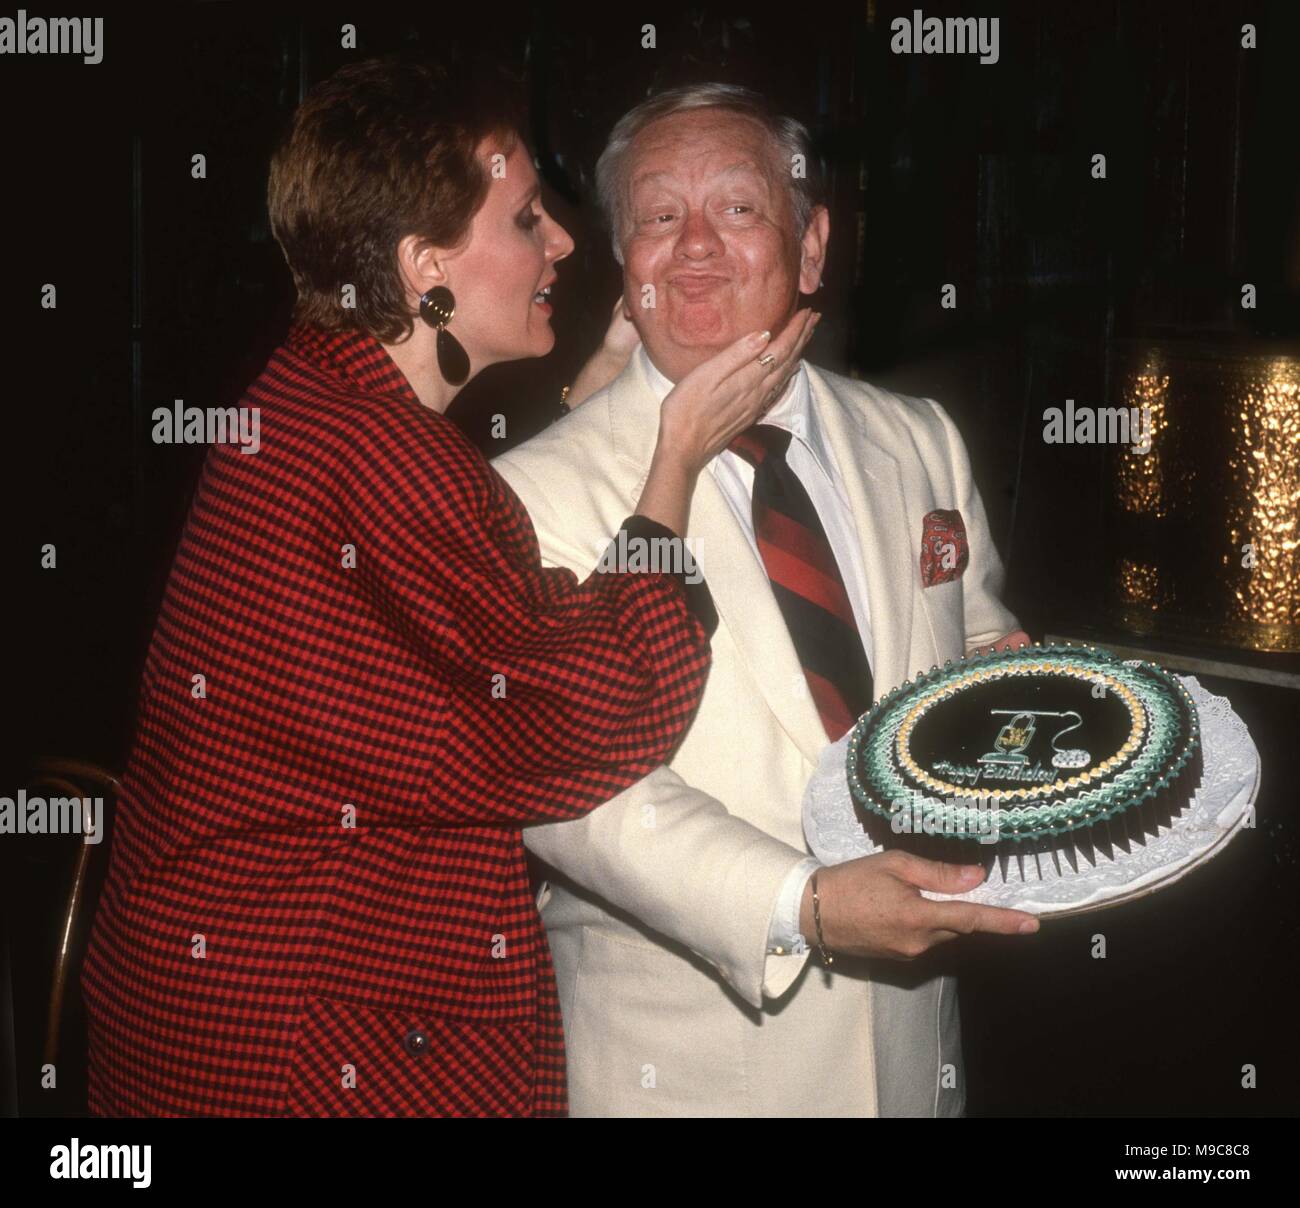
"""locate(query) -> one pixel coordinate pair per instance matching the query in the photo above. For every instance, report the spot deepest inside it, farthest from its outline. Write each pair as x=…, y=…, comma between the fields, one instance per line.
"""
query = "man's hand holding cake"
x=873, y=907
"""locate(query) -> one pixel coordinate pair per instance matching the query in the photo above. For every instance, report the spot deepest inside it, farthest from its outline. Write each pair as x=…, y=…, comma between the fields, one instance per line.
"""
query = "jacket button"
x=415, y=1042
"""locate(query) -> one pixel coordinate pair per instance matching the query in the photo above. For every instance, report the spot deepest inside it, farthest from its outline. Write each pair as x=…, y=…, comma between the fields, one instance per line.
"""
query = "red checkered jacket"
x=317, y=900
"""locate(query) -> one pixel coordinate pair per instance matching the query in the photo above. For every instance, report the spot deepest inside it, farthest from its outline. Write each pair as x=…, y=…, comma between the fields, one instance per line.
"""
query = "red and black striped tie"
x=806, y=582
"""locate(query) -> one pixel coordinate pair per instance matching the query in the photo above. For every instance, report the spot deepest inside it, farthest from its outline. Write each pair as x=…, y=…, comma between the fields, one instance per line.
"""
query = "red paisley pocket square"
x=944, y=552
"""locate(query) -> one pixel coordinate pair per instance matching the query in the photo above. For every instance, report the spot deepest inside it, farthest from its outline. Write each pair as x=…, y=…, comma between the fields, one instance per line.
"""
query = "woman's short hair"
x=380, y=150
x=789, y=140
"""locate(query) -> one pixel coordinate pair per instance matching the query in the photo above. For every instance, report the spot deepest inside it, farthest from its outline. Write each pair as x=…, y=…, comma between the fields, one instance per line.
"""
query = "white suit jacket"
x=660, y=900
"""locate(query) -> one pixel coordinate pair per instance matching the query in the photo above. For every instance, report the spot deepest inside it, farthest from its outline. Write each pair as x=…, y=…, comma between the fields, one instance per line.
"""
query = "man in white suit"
x=689, y=925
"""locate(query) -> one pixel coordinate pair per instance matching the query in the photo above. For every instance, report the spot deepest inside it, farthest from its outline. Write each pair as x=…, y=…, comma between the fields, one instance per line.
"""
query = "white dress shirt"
x=813, y=463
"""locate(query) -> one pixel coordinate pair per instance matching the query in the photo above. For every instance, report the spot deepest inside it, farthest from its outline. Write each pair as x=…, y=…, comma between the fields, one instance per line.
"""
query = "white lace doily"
x=1217, y=812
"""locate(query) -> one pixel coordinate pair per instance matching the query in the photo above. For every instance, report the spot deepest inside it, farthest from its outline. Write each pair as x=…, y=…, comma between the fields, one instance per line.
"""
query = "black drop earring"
x=437, y=305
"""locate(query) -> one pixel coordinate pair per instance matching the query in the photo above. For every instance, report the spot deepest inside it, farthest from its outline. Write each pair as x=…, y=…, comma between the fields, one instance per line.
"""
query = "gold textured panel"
x=1141, y=472
x=1265, y=466
x=1204, y=526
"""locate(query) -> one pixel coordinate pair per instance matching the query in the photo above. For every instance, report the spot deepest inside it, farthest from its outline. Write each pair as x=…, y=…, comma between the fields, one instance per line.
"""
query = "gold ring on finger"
x=766, y=359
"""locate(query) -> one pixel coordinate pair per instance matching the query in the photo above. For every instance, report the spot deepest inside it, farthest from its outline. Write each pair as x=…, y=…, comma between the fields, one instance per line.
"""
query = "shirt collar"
x=794, y=412
x=357, y=357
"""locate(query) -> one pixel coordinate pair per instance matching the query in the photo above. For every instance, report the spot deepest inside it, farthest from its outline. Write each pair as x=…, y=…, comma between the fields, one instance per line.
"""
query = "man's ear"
x=421, y=266
x=813, y=250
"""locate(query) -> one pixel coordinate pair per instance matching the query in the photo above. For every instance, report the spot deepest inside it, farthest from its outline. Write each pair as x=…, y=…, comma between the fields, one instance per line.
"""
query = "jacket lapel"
x=874, y=486
x=873, y=482
x=736, y=578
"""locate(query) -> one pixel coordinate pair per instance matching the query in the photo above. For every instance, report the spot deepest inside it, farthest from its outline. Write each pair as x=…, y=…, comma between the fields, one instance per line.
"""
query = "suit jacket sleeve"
x=560, y=694
x=986, y=618
x=673, y=857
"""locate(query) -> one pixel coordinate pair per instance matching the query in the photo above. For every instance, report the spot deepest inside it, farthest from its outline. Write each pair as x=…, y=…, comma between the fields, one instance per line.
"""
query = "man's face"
x=708, y=223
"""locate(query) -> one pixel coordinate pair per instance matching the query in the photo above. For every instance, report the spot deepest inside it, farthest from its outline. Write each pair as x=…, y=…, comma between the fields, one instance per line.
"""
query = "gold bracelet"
x=827, y=959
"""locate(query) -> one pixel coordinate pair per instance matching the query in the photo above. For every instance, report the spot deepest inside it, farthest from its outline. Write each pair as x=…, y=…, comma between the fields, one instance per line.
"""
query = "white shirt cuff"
x=784, y=933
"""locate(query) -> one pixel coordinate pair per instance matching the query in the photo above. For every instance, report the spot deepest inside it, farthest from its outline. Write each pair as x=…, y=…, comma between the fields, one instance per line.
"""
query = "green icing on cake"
x=881, y=782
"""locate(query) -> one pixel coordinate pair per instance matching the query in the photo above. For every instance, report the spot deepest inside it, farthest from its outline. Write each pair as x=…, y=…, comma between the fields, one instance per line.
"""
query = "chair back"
x=73, y=778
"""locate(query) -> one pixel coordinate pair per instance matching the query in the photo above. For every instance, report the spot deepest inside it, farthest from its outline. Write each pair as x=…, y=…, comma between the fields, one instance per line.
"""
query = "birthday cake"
x=1042, y=753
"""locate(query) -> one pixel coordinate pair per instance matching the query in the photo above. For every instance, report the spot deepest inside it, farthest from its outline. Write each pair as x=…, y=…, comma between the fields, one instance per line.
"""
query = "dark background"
x=939, y=170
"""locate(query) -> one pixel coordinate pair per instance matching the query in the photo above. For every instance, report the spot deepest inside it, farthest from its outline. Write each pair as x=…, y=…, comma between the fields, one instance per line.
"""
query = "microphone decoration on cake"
x=1014, y=738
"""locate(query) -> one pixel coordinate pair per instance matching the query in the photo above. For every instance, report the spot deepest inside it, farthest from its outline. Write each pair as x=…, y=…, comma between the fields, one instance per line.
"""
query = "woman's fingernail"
x=1029, y=927
x=761, y=337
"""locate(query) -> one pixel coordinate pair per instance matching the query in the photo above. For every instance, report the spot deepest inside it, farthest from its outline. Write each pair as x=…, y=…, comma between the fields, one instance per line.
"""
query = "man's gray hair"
x=789, y=138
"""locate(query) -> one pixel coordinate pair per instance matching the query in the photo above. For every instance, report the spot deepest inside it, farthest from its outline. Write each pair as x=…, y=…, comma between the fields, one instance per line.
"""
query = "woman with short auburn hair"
x=363, y=683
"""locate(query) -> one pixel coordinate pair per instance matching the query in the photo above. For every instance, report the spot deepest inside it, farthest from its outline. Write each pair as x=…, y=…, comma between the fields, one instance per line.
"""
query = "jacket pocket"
x=651, y=1033
x=354, y=1060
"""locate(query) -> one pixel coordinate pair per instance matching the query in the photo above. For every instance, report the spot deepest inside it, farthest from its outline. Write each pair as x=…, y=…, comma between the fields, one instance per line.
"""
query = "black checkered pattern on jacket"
x=439, y=696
